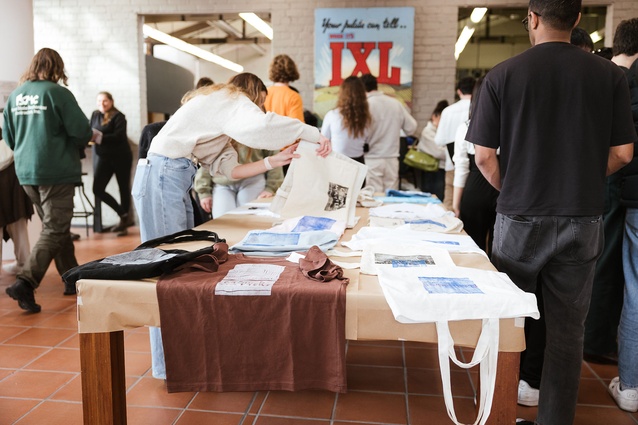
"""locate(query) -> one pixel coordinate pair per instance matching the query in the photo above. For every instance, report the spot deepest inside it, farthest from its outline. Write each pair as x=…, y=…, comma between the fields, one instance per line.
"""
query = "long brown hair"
x=108, y=115
x=253, y=87
x=46, y=65
x=353, y=106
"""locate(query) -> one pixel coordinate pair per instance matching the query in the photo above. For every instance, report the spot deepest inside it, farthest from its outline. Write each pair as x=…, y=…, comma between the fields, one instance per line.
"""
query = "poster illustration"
x=357, y=41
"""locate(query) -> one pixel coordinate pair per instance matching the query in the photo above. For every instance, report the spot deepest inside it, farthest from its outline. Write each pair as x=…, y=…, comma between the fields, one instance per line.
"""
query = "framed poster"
x=357, y=41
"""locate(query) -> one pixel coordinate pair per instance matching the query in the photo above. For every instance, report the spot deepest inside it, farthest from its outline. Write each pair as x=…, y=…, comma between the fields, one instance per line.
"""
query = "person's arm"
x=456, y=200
x=250, y=126
x=76, y=125
x=284, y=157
x=274, y=179
x=619, y=156
x=203, y=186
x=461, y=167
x=409, y=123
x=487, y=162
x=116, y=130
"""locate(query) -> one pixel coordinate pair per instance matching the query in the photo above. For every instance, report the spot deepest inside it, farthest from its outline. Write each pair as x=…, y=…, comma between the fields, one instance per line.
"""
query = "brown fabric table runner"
x=291, y=340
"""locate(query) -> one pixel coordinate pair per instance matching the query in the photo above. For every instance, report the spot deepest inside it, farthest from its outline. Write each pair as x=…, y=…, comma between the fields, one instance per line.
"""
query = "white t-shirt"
x=342, y=142
x=451, y=117
x=389, y=117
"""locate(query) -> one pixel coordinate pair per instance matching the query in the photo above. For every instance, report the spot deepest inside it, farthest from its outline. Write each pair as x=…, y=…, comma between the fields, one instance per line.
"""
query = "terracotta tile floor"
x=389, y=382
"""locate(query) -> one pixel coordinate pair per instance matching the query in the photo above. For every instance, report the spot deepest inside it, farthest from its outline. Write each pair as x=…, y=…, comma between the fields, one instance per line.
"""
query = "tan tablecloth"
x=112, y=305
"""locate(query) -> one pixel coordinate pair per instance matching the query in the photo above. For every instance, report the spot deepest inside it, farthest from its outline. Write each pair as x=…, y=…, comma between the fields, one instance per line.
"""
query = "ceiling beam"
x=190, y=29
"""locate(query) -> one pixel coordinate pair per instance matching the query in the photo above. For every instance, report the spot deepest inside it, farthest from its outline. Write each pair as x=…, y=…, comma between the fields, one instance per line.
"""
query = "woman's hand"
x=284, y=157
x=325, y=147
x=206, y=204
x=265, y=194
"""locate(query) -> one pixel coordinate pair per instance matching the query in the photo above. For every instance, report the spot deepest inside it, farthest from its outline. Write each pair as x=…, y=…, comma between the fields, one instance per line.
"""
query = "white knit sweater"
x=203, y=127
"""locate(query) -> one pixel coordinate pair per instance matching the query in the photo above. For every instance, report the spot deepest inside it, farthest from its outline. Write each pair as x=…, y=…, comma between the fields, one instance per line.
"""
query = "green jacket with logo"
x=47, y=131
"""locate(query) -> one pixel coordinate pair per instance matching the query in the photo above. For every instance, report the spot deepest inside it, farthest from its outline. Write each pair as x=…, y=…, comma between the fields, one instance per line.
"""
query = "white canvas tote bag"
x=323, y=187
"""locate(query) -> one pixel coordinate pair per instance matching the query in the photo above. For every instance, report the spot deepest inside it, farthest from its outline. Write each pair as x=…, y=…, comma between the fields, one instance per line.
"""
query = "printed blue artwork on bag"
x=308, y=223
x=425, y=221
x=444, y=242
x=272, y=239
x=449, y=285
x=404, y=260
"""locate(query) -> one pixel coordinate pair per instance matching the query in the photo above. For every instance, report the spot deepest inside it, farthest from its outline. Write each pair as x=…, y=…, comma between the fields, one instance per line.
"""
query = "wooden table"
x=107, y=308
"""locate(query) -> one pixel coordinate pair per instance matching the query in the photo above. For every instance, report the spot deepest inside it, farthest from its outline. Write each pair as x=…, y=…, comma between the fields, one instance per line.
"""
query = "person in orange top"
x=282, y=99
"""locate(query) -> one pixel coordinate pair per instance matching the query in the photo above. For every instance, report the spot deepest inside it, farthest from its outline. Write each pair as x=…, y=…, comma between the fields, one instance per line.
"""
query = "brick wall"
x=102, y=44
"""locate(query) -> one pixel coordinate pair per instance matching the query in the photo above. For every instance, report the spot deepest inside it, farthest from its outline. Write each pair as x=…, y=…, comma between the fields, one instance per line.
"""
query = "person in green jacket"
x=47, y=131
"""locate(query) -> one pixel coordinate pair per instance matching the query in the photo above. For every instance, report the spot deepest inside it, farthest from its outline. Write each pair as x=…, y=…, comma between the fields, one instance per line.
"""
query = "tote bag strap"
x=188, y=235
x=485, y=355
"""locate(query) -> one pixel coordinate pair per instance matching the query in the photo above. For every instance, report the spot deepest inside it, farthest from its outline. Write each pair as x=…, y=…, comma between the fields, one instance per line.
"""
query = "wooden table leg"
x=103, y=384
x=506, y=391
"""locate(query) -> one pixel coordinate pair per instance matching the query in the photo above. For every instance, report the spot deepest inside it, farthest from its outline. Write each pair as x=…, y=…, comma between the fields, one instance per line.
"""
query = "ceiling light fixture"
x=596, y=36
x=258, y=23
x=189, y=48
x=477, y=14
x=465, y=36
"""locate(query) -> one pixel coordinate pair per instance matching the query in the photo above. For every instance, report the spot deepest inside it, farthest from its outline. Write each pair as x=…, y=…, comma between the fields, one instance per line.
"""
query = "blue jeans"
x=161, y=195
x=233, y=195
x=559, y=254
x=628, y=329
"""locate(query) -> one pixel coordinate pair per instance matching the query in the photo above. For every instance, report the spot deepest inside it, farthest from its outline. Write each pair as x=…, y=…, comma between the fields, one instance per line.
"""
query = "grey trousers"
x=54, y=205
x=559, y=254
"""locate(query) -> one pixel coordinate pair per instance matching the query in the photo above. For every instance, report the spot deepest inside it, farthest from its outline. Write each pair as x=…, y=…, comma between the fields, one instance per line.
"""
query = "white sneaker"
x=12, y=268
x=625, y=399
x=527, y=396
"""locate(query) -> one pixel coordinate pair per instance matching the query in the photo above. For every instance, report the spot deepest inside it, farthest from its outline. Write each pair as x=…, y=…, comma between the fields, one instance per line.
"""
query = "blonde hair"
x=46, y=65
x=250, y=84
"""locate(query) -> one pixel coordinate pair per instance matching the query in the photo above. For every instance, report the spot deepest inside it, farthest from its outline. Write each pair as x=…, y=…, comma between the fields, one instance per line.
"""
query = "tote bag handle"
x=485, y=355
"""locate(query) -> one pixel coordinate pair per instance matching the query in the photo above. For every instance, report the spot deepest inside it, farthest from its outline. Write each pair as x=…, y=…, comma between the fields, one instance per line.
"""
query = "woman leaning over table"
x=201, y=130
x=220, y=194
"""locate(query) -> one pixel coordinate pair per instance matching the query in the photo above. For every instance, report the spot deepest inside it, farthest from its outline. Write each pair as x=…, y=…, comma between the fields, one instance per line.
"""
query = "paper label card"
x=249, y=279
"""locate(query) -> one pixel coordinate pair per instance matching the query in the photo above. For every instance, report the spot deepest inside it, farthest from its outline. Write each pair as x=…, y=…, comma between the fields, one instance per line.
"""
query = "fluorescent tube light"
x=596, y=36
x=258, y=23
x=465, y=36
x=189, y=48
x=477, y=14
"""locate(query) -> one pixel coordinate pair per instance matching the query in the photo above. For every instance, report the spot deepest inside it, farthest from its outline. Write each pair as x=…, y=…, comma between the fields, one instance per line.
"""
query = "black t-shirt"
x=554, y=111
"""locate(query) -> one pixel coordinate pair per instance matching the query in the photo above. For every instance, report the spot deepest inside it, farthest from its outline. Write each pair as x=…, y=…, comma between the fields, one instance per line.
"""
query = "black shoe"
x=22, y=292
x=524, y=422
x=75, y=236
x=69, y=289
x=122, y=225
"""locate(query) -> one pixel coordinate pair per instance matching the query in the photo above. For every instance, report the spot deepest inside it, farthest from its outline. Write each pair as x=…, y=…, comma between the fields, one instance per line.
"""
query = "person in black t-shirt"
x=558, y=139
